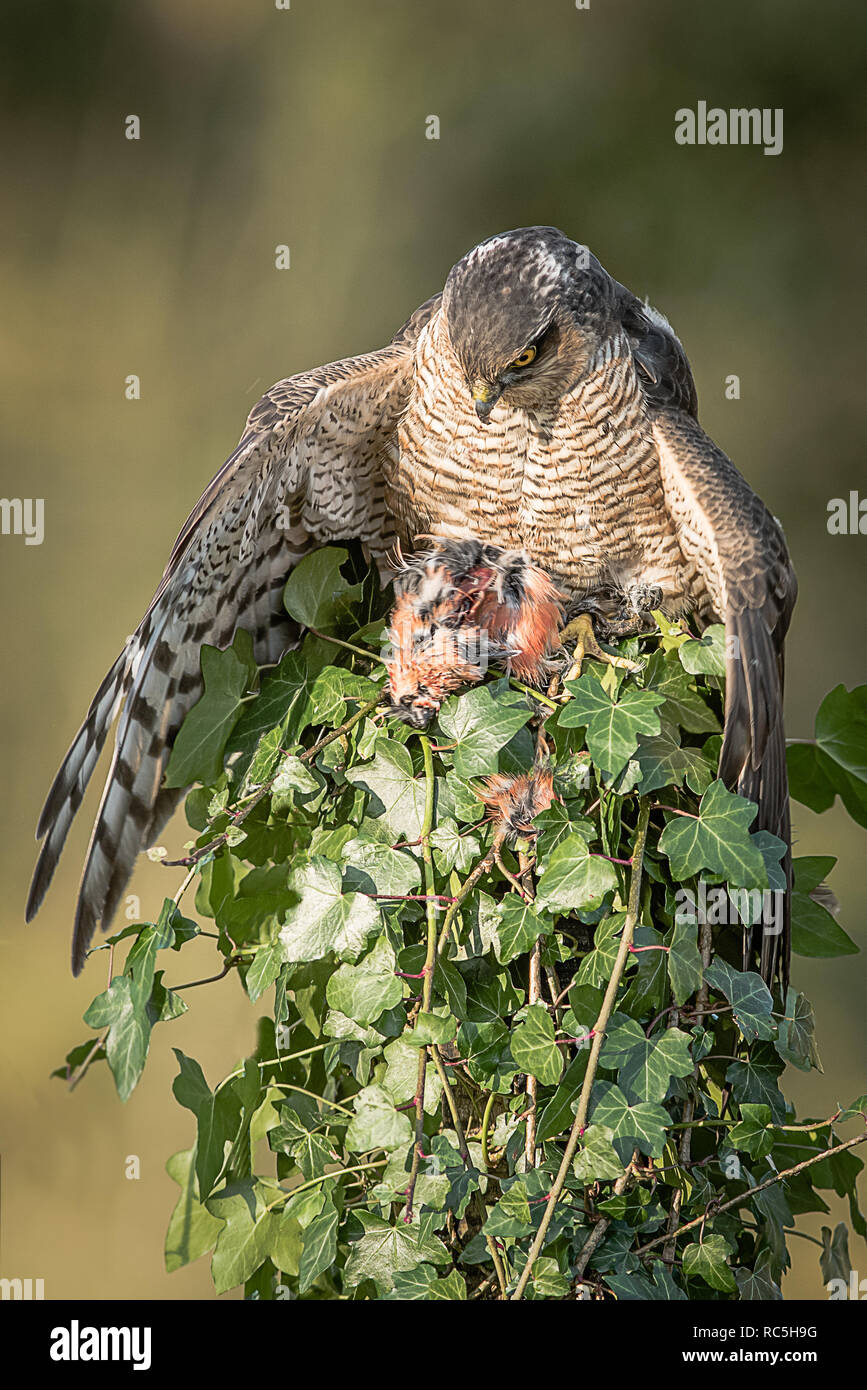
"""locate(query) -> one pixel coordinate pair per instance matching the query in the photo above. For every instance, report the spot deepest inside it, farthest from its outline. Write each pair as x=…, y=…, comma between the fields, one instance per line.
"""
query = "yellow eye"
x=524, y=358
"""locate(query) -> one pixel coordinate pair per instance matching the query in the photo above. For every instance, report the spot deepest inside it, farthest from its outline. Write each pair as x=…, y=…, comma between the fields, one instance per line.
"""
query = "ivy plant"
x=489, y=1069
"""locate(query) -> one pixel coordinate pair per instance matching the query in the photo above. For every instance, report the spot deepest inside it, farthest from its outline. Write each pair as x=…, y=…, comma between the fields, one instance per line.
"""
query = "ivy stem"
x=599, y=1027
x=486, y=1120
x=429, y=964
x=760, y=1187
x=347, y=646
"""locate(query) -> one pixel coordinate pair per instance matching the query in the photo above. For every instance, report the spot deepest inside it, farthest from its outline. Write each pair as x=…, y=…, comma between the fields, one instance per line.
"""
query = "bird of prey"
x=537, y=405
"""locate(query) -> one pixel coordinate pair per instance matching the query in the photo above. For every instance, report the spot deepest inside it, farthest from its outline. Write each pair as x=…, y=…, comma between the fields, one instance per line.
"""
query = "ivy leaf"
x=316, y=593
x=706, y=655
x=197, y=755
x=377, y=1124
x=381, y=1251
x=751, y=1000
x=372, y=867
x=841, y=729
x=613, y=726
x=717, y=840
x=424, y=1282
x=320, y=1246
x=129, y=1030
x=642, y=1125
x=395, y=794
x=326, y=919
x=534, y=1048
x=488, y=1053
x=247, y=1234
x=597, y=1160
x=755, y=1080
x=481, y=722
x=519, y=930
x=401, y=1076
x=366, y=990
x=757, y=1284
x=452, y=850
x=796, y=1041
x=431, y=1028
x=192, y=1229
x=684, y=705
x=217, y=1115
x=753, y=1133
x=574, y=878
x=708, y=1261
x=684, y=960
x=814, y=930
x=663, y=762
x=834, y=1260
x=647, y=1069
x=560, y=1109
x=631, y=1287
x=284, y=699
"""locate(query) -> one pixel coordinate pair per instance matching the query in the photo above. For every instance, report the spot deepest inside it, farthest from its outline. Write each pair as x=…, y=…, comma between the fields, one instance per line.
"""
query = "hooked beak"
x=485, y=396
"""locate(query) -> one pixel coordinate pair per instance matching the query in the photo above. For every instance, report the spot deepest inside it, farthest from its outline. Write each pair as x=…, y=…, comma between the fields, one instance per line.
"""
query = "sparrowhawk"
x=537, y=405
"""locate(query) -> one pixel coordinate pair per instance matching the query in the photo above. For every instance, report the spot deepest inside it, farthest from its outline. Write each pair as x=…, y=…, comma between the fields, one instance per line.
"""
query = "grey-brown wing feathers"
x=305, y=472
x=742, y=565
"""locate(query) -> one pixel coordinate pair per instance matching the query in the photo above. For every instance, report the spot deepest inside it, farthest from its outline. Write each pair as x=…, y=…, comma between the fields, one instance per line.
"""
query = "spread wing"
x=306, y=472
x=741, y=559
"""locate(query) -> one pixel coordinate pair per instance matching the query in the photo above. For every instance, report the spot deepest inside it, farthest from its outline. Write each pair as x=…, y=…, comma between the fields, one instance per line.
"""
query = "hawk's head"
x=525, y=312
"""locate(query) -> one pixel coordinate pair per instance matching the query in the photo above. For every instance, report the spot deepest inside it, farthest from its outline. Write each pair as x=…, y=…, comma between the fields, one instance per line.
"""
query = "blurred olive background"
x=156, y=257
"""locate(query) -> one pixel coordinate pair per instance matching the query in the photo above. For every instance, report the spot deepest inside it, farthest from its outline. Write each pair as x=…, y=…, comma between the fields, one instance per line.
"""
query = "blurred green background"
x=306, y=127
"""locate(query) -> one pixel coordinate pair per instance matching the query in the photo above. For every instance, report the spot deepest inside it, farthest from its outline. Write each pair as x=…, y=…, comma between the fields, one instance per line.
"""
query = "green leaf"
x=751, y=1000
x=646, y=1070
x=431, y=1028
x=129, y=1030
x=684, y=960
x=613, y=726
x=377, y=1124
x=717, y=840
x=372, y=867
x=247, y=1235
x=423, y=1282
x=707, y=1261
x=534, y=1048
x=481, y=722
x=631, y=1287
x=642, y=1125
x=395, y=794
x=320, y=1246
x=217, y=1116
x=366, y=990
x=841, y=729
x=707, y=655
x=757, y=1284
x=685, y=706
x=814, y=930
x=192, y=1229
x=316, y=594
x=574, y=878
x=197, y=754
x=597, y=1160
x=326, y=919
x=519, y=930
x=753, y=1133
x=381, y=1251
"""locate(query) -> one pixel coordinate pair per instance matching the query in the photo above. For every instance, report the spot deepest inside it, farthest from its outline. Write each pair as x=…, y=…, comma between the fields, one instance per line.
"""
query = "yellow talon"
x=581, y=630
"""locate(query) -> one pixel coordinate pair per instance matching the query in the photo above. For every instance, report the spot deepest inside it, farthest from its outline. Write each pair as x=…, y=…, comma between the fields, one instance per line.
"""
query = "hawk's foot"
x=580, y=630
